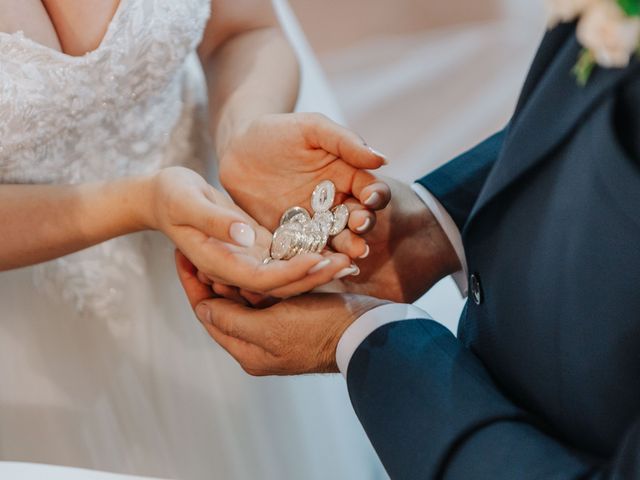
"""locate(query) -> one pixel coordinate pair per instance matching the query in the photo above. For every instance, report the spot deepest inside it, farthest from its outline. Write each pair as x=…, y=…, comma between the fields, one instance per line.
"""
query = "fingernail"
x=366, y=253
x=203, y=313
x=356, y=270
x=243, y=234
x=373, y=200
x=378, y=154
x=365, y=226
x=319, y=266
x=345, y=272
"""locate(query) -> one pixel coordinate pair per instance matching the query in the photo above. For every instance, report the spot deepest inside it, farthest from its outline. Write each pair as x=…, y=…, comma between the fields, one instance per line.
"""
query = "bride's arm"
x=250, y=67
x=42, y=222
x=271, y=160
x=39, y=223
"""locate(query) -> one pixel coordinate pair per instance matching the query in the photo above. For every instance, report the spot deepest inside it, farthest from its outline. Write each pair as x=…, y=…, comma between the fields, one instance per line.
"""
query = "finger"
x=230, y=293
x=350, y=244
x=258, y=300
x=222, y=223
x=237, y=266
x=196, y=291
x=370, y=191
x=361, y=219
x=321, y=132
x=339, y=263
x=282, y=273
x=204, y=279
x=235, y=320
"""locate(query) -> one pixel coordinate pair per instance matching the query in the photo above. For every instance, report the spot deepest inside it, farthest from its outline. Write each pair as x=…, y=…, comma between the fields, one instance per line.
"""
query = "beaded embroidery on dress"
x=132, y=106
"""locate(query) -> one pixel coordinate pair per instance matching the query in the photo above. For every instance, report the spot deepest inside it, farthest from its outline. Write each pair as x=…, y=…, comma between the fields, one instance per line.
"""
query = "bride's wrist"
x=228, y=130
x=138, y=203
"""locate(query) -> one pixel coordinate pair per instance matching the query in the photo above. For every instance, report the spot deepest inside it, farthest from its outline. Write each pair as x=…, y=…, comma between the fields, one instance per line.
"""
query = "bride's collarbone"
x=73, y=27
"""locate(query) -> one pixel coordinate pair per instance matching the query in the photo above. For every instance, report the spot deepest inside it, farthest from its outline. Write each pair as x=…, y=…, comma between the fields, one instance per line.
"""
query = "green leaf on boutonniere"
x=583, y=69
x=630, y=7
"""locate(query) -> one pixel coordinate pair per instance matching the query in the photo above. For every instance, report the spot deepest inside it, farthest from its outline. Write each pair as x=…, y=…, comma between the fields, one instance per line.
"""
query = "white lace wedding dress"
x=102, y=363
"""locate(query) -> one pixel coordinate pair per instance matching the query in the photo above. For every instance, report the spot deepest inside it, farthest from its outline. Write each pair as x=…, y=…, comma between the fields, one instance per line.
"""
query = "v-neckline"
x=19, y=35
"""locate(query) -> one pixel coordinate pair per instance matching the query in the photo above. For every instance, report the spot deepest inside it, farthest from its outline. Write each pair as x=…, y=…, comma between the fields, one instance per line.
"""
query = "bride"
x=103, y=127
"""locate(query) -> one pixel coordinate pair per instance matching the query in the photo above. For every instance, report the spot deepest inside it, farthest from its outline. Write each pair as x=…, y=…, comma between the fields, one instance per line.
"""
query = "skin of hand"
x=226, y=244
x=409, y=253
x=293, y=337
x=271, y=160
x=276, y=162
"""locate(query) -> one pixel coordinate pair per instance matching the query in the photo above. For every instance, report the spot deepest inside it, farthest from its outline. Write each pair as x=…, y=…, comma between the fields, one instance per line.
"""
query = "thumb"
x=321, y=132
x=221, y=223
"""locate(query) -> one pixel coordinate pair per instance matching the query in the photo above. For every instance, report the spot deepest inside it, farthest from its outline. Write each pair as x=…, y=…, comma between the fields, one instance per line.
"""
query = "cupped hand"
x=409, y=251
x=292, y=337
x=277, y=160
x=224, y=243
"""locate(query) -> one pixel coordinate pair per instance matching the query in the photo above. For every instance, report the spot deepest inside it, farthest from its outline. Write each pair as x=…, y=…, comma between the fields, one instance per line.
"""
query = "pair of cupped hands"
x=252, y=308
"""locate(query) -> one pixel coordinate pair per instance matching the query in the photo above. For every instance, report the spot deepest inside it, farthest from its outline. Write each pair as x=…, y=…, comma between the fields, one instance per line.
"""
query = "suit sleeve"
x=431, y=411
x=458, y=183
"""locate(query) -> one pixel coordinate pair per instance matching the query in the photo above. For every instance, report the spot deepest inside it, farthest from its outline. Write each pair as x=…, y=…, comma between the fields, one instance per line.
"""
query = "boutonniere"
x=608, y=30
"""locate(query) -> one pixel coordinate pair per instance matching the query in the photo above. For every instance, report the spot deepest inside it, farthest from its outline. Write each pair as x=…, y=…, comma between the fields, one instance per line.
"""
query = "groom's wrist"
x=369, y=322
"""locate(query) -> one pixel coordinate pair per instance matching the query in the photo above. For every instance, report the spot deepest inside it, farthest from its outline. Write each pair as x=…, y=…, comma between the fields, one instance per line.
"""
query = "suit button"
x=476, y=288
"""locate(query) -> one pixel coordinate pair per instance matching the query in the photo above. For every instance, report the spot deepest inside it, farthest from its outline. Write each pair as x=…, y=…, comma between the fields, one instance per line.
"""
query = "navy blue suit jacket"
x=543, y=381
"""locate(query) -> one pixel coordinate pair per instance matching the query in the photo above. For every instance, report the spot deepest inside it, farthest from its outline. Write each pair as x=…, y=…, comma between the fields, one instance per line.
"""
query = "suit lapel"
x=550, y=46
x=552, y=110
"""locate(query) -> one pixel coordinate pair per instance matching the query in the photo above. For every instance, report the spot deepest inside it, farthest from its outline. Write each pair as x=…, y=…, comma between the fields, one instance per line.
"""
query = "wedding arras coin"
x=299, y=233
x=340, y=219
x=324, y=222
x=295, y=214
x=323, y=197
x=285, y=242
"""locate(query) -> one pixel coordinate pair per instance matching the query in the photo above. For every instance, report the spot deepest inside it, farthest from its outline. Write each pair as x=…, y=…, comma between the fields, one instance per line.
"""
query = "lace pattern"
x=132, y=106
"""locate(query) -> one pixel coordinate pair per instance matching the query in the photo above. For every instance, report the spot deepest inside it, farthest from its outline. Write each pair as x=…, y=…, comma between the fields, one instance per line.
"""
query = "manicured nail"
x=366, y=253
x=378, y=154
x=243, y=234
x=203, y=313
x=319, y=266
x=365, y=226
x=373, y=200
x=345, y=272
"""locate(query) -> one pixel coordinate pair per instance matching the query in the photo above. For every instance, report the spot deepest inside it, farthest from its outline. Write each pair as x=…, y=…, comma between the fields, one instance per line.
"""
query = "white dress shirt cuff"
x=451, y=231
x=368, y=323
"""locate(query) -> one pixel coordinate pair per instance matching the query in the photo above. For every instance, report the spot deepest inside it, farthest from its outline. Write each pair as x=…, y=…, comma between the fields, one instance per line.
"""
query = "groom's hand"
x=276, y=161
x=293, y=337
x=409, y=251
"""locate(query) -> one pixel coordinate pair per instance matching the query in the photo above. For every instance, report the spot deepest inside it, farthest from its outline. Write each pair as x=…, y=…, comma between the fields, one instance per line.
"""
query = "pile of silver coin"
x=300, y=233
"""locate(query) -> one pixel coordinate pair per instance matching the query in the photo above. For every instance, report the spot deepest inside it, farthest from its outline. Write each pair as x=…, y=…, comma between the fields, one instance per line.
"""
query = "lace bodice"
x=133, y=105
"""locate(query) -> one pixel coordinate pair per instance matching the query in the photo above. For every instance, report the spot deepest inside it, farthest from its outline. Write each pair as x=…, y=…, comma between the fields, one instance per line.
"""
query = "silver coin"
x=295, y=214
x=324, y=221
x=323, y=196
x=283, y=242
x=307, y=244
x=310, y=228
x=340, y=219
x=321, y=243
x=298, y=246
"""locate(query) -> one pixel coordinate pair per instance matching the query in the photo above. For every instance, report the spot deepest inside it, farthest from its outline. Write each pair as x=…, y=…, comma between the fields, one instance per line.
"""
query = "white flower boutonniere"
x=609, y=31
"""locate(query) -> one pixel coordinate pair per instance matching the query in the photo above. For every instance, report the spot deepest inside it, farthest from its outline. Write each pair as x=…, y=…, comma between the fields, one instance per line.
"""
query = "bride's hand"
x=226, y=244
x=277, y=160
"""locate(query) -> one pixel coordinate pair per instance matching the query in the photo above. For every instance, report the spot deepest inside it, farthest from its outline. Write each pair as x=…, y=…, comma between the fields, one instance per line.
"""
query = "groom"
x=543, y=218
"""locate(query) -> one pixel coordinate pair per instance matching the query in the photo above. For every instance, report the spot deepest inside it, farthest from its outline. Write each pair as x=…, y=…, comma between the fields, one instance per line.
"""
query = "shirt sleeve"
x=368, y=323
x=451, y=231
